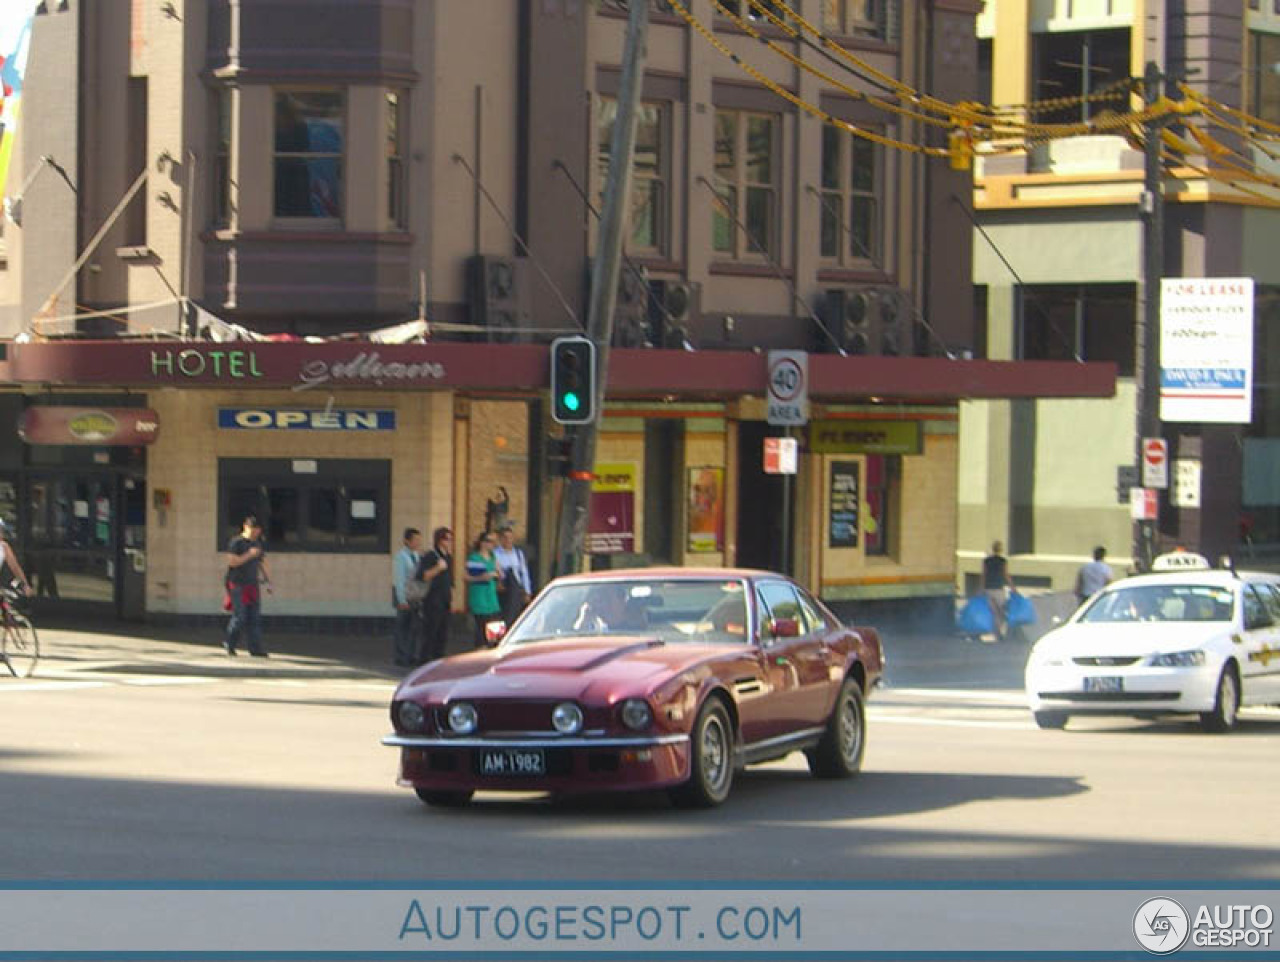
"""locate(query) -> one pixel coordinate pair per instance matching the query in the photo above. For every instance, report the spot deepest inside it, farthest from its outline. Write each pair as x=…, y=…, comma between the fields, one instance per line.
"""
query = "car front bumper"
x=1080, y=690
x=573, y=764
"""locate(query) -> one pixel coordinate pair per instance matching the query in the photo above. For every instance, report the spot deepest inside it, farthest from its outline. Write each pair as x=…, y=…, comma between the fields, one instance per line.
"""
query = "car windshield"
x=711, y=610
x=1161, y=603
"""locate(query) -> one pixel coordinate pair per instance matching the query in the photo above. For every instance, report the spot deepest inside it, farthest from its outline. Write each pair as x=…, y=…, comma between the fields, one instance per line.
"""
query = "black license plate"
x=511, y=762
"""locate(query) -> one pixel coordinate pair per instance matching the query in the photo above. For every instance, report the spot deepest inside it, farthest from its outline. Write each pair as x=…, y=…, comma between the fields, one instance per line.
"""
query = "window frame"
x=744, y=246
x=888, y=491
x=659, y=179
x=220, y=204
x=838, y=194
x=396, y=129
x=855, y=18
x=266, y=477
x=1263, y=86
x=310, y=221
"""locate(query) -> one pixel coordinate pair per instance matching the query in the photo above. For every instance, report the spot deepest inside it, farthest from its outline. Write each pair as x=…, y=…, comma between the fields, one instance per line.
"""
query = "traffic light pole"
x=571, y=536
x=1147, y=342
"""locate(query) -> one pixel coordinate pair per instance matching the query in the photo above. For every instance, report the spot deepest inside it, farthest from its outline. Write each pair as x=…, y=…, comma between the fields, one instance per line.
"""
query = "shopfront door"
x=85, y=541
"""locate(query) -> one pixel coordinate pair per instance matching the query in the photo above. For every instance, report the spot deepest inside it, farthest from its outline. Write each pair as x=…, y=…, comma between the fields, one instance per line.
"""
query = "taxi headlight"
x=1178, y=659
x=411, y=716
x=463, y=718
x=636, y=714
x=566, y=718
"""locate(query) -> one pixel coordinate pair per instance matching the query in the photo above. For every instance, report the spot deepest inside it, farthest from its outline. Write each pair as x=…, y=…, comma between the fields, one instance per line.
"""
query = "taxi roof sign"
x=1181, y=560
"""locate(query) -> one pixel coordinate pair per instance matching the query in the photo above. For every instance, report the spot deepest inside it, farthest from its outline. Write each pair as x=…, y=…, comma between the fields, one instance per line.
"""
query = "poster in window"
x=611, y=516
x=706, y=510
x=843, y=528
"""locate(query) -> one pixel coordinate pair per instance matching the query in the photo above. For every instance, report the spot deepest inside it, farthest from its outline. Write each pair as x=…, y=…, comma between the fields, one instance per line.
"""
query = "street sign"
x=1155, y=463
x=1186, y=483
x=781, y=455
x=1144, y=504
x=788, y=388
x=1126, y=480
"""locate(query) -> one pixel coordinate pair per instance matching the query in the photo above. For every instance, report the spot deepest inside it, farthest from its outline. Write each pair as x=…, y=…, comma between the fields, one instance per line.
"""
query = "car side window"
x=1271, y=598
x=777, y=600
x=812, y=613
x=1255, y=611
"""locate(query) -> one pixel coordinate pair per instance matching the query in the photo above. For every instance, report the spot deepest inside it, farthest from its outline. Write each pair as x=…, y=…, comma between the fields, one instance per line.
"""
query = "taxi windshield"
x=712, y=610
x=1184, y=602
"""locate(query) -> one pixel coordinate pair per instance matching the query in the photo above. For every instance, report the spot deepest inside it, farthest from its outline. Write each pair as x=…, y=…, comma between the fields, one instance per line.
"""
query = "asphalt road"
x=119, y=774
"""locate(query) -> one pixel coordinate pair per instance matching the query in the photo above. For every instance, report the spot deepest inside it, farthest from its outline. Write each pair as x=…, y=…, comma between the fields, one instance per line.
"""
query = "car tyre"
x=711, y=762
x=839, y=753
x=1051, y=720
x=1226, y=704
x=442, y=799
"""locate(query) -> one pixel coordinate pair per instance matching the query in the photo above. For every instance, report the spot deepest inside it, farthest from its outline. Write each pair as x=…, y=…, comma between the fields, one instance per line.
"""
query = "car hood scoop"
x=554, y=658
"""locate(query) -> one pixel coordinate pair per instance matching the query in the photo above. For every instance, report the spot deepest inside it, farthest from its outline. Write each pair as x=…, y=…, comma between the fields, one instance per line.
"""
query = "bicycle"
x=19, y=644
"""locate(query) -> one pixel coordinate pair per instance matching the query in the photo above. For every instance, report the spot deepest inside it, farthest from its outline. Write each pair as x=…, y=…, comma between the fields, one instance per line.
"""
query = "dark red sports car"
x=653, y=678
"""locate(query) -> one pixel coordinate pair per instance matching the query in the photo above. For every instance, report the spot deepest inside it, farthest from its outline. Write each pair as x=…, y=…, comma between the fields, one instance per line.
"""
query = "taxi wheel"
x=444, y=799
x=1226, y=705
x=711, y=767
x=839, y=753
x=1054, y=720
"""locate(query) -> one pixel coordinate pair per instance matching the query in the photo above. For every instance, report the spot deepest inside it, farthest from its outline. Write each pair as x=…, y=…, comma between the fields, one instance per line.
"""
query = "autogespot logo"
x=1161, y=925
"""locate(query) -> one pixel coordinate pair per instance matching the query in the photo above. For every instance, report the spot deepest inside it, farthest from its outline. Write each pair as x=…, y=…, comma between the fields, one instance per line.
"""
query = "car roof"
x=1221, y=577
x=671, y=572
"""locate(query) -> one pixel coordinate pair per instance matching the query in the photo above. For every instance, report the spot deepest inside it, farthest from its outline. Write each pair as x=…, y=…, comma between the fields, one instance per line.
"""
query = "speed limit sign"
x=788, y=388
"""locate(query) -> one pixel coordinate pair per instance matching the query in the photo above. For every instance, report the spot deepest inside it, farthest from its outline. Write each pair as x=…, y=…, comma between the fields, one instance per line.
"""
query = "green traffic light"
x=571, y=401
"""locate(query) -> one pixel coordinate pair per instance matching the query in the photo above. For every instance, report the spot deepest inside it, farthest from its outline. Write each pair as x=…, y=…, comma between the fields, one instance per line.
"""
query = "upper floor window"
x=1087, y=323
x=222, y=158
x=855, y=18
x=396, y=146
x=309, y=134
x=1078, y=65
x=745, y=217
x=649, y=172
x=754, y=9
x=850, y=211
x=1264, y=81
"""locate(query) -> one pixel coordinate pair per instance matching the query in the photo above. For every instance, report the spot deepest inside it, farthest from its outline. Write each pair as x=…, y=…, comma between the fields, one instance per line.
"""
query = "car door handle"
x=782, y=660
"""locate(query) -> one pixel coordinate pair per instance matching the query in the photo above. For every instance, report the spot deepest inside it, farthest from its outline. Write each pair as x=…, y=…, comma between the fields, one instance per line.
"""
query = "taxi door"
x=1260, y=660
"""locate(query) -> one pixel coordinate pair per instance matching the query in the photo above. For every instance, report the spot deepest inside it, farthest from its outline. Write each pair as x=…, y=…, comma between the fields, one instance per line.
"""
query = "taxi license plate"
x=1105, y=683
x=506, y=762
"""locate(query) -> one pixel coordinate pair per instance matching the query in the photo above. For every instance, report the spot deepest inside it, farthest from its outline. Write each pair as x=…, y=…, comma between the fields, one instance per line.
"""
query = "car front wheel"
x=711, y=764
x=839, y=753
x=1226, y=704
x=1054, y=720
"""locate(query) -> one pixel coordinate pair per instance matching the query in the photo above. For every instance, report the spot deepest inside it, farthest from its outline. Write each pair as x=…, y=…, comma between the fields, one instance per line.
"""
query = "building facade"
x=1059, y=266
x=323, y=246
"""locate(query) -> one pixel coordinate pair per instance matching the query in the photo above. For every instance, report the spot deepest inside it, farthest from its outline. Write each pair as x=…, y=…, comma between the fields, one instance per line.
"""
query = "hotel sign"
x=866, y=437
x=326, y=419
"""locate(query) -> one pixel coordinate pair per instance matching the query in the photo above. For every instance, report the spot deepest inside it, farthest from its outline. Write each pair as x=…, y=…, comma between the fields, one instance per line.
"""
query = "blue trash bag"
x=976, y=617
x=1019, y=610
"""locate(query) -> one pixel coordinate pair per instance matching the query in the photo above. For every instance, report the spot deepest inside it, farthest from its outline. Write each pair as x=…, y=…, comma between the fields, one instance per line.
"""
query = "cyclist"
x=10, y=557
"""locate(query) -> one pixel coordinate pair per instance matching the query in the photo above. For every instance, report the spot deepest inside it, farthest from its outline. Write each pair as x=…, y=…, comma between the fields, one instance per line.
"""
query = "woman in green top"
x=482, y=575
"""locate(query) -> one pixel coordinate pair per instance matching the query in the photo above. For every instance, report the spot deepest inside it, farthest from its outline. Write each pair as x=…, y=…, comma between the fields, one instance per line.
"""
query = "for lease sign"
x=1206, y=349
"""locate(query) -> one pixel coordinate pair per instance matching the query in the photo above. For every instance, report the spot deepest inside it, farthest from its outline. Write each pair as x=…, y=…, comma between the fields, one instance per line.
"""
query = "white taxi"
x=1187, y=639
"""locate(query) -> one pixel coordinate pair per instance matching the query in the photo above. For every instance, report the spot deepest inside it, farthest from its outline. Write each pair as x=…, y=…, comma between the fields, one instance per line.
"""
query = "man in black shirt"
x=996, y=583
x=246, y=568
x=436, y=568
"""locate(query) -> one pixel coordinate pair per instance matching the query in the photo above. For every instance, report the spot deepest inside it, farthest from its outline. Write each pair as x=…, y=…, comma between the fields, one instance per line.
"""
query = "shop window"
x=341, y=506
x=649, y=171
x=745, y=215
x=878, y=527
x=309, y=137
x=850, y=211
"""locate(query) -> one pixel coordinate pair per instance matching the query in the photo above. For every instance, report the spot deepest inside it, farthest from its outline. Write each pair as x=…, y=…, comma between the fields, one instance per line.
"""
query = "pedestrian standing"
x=482, y=575
x=1093, y=576
x=996, y=584
x=405, y=564
x=516, y=586
x=246, y=572
x=436, y=568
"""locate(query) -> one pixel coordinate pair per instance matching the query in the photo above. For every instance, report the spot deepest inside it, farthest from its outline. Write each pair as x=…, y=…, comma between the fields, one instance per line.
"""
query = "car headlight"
x=1178, y=659
x=566, y=718
x=463, y=718
x=411, y=716
x=636, y=714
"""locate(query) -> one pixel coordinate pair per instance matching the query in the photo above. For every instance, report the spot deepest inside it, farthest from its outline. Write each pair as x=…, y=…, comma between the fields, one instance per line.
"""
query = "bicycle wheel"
x=19, y=645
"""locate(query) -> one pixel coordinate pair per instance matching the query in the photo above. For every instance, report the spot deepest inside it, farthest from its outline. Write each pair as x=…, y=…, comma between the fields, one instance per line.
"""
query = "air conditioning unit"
x=498, y=294
x=674, y=308
x=847, y=317
x=874, y=321
x=630, y=307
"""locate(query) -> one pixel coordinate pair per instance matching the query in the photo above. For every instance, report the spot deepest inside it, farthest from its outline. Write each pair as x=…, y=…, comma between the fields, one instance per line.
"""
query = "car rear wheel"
x=440, y=799
x=1055, y=720
x=711, y=765
x=1226, y=705
x=839, y=753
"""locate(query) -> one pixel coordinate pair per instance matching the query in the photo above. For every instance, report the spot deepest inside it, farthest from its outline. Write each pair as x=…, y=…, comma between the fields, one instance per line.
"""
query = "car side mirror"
x=784, y=628
x=494, y=631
